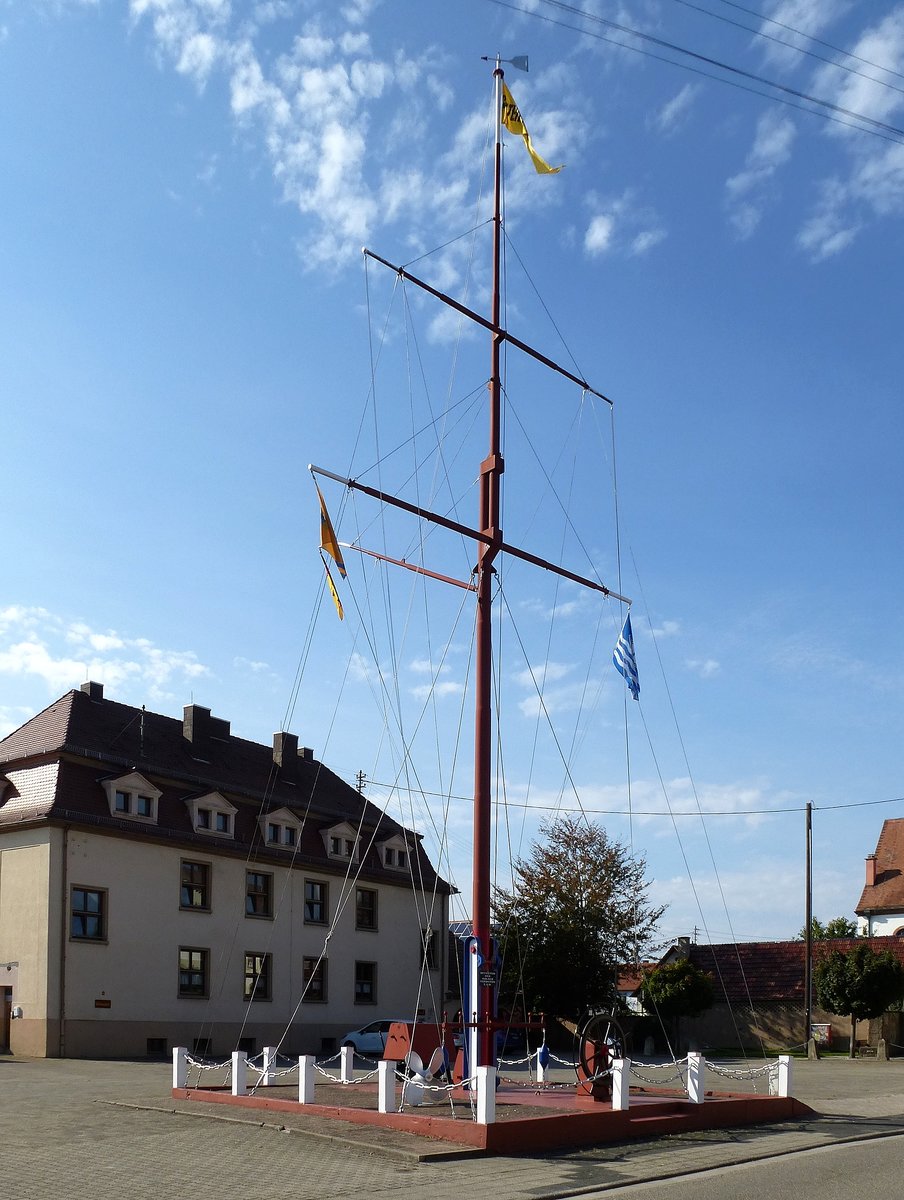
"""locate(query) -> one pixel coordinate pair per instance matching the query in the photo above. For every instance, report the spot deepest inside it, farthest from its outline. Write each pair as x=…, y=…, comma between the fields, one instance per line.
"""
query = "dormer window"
x=281, y=828
x=395, y=853
x=133, y=797
x=341, y=842
x=212, y=814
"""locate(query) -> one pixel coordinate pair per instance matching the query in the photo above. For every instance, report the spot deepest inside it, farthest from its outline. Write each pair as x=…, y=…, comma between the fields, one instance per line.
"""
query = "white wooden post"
x=180, y=1066
x=347, y=1064
x=784, y=1074
x=695, y=1078
x=239, y=1073
x=306, y=1079
x=386, y=1089
x=269, y=1057
x=541, y=1069
x=486, y=1095
x=621, y=1071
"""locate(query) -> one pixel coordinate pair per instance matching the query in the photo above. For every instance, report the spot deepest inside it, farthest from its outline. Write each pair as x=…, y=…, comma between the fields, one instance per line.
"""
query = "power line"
x=809, y=36
x=823, y=108
x=761, y=33
x=619, y=812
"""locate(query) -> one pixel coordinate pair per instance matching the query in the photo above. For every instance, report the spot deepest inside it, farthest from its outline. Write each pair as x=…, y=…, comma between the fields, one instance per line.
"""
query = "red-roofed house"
x=164, y=882
x=881, y=906
x=759, y=994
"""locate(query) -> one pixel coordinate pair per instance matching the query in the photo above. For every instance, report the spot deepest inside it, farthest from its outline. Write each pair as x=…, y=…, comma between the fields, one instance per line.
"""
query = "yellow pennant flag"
x=333, y=592
x=328, y=538
x=512, y=120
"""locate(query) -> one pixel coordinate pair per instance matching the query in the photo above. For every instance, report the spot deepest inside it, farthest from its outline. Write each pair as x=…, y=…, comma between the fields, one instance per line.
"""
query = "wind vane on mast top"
x=519, y=62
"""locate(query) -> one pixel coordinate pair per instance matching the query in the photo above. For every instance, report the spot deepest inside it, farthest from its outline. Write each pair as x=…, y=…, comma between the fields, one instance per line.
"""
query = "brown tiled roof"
x=772, y=971
x=79, y=741
x=887, y=893
x=631, y=977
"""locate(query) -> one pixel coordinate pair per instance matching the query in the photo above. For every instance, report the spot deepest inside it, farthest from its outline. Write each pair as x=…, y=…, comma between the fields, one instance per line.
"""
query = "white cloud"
x=571, y=697
x=706, y=668
x=748, y=191
x=621, y=224
x=12, y=716
x=550, y=671
x=32, y=642
x=646, y=240
x=830, y=229
x=248, y=664
x=598, y=237
x=809, y=17
x=883, y=43
x=447, y=688
x=664, y=629
x=874, y=186
x=674, y=113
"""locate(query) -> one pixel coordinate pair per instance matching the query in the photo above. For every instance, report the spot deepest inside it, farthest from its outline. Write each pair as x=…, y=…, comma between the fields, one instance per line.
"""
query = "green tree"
x=677, y=989
x=579, y=907
x=859, y=984
x=838, y=927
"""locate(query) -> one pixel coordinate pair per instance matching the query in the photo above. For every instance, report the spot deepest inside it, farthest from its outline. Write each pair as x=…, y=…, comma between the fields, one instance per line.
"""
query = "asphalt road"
x=860, y=1171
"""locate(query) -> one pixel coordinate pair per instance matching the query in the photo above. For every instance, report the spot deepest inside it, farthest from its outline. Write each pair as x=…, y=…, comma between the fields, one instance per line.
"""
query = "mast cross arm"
x=485, y=538
x=490, y=325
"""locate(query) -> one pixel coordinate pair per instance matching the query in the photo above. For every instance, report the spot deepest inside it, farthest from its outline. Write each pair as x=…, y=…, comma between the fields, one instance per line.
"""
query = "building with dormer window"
x=164, y=882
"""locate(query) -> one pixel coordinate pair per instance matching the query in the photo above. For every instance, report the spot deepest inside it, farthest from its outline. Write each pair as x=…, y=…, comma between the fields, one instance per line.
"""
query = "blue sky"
x=185, y=324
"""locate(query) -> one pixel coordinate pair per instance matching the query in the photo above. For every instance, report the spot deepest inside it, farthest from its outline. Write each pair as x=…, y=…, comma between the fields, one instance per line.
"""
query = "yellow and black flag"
x=328, y=540
x=333, y=592
x=514, y=123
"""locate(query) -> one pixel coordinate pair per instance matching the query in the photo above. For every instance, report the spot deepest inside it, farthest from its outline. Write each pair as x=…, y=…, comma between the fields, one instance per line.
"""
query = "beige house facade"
x=165, y=883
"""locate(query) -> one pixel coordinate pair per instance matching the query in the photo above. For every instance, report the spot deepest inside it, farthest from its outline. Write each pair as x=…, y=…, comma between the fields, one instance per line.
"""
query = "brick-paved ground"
x=79, y=1130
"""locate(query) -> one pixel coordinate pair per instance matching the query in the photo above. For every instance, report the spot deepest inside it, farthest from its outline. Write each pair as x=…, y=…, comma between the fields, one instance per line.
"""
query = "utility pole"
x=808, y=932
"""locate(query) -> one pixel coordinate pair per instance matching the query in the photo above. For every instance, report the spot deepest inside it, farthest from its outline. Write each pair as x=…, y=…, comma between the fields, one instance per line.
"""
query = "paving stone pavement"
x=80, y=1130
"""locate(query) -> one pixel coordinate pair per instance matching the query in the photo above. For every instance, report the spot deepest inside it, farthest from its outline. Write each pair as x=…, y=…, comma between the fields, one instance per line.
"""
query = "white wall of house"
x=880, y=925
x=26, y=922
x=124, y=989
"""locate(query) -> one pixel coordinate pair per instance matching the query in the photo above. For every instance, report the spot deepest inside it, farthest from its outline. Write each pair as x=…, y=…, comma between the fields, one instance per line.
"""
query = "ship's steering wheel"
x=598, y=1029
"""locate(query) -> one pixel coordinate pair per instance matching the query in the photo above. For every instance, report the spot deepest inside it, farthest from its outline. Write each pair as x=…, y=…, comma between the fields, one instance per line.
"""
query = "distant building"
x=759, y=997
x=880, y=910
x=163, y=882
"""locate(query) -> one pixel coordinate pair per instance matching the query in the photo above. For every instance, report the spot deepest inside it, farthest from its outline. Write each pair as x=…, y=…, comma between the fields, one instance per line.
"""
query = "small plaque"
x=487, y=977
x=103, y=1003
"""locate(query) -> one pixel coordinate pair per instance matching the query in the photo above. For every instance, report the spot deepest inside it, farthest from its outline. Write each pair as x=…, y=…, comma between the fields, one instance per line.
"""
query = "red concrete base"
x=553, y=1120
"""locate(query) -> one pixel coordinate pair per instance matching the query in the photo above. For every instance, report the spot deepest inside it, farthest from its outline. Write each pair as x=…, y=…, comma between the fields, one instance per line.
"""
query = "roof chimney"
x=285, y=751
x=198, y=726
x=870, y=870
x=94, y=691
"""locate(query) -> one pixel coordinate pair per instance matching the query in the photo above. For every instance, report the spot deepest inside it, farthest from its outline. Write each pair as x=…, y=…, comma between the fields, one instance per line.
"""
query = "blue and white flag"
x=623, y=657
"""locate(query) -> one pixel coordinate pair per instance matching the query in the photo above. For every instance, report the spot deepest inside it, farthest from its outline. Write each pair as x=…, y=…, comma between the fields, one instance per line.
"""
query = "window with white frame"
x=341, y=841
x=395, y=853
x=132, y=797
x=281, y=828
x=212, y=814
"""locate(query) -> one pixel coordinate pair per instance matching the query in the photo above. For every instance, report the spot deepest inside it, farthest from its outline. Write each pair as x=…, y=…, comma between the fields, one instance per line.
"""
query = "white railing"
x=690, y=1071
